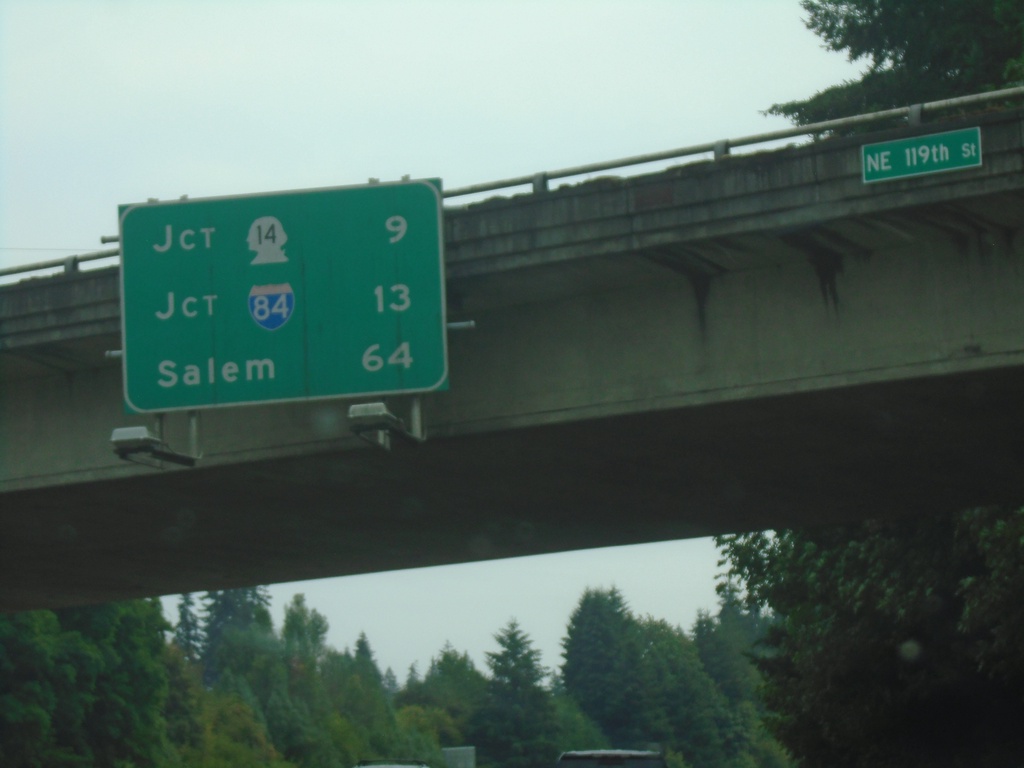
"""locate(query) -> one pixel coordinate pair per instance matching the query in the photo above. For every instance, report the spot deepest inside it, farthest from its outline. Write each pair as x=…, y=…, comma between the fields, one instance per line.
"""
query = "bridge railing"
x=68, y=264
x=913, y=114
x=539, y=181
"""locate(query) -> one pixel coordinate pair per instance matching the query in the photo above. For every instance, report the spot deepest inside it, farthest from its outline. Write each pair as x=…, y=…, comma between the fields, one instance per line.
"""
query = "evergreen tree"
x=353, y=688
x=187, y=633
x=297, y=709
x=515, y=727
x=305, y=636
x=229, y=614
x=365, y=663
x=726, y=644
x=412, y=676
x=602, y=656
x=680, y=707
x=453, y=685
x=184, y=700
x=391, y=687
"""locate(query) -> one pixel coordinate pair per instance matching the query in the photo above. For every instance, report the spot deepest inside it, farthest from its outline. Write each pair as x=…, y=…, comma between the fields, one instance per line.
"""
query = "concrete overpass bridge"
x=757, y=341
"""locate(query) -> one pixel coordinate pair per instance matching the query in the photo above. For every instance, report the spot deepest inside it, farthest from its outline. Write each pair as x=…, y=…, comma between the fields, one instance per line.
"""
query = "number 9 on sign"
x=397, y=226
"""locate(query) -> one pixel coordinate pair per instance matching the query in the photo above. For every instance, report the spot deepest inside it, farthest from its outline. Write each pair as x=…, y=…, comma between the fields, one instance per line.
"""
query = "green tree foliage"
x=602, y=653
x=434, y=724
x=120, y=658
x=229, y=614
x=369, y=728
x=391, y=686
x=104, y=687
x=992, y=594
x=575, y=729
x=353, y=686
x=726, y=642
x=728, y=645
x=365, y=663
x=643, y=681
x=311, y=704
x=680, y=706
x=913, y=52
x=277, y=677
x=233, y=736
x=897, y=642
x=31, y=678
x=299, y=697
x=184, y=699
x=83, y=686
x=188, y=633
x=452, y=685
x=515, y=725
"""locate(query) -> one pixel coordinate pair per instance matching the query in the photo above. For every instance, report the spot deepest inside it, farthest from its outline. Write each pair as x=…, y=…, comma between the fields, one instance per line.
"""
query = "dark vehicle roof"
x=611, y=755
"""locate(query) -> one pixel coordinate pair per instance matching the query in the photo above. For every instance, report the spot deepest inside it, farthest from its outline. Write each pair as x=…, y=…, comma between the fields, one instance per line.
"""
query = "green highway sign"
x=292, y=295
x=938, y=152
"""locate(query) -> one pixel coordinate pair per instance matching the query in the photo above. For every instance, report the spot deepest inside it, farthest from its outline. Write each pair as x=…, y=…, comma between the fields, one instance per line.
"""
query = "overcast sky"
x=109, y=102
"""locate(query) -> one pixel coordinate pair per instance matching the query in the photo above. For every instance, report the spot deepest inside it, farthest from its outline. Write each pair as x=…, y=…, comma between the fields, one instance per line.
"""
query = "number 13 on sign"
x=399, y=295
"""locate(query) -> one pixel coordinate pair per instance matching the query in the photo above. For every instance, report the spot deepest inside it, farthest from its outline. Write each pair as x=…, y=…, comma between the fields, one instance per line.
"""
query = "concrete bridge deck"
x=759, y=341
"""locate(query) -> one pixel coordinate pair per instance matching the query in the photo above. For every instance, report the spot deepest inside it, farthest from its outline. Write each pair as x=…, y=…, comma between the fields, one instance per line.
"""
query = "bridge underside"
x=908, y=447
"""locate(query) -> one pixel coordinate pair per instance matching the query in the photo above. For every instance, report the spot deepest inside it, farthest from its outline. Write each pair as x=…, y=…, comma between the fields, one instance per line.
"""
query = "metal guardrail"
x=539, y=181
x=70, y=264
x=913, y=114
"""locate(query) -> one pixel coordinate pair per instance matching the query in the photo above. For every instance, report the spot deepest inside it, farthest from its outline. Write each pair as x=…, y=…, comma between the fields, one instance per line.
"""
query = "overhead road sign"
x=291, y=295
x=935, y=153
